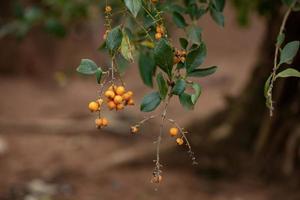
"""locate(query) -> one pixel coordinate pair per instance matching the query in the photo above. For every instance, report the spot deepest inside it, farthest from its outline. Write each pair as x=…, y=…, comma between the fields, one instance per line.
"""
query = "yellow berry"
x=111, y=105
x=118, y=99
x=120, y=90
x=104, y=121
x=109, y=94
x=134, y=129
x=130, y=102
x=120, y=106
x=108, y=9
x=173, y=131
x=158, y=36
x=93, y=106
x=127, y=95
x=98, y=122
x=179, y=141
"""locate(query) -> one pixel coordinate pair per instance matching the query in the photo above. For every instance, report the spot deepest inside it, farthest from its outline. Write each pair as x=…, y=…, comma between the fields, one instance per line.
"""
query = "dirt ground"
x=49, y=148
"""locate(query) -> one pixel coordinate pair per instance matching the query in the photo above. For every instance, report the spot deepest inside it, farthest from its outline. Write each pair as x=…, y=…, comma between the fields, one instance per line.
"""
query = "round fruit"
x=118, y=99
x=93, y=106
x=98, y=122
x=130, y=102
x=109, y=94
x=108, y=9
x=111, y=105
x=134, y=129
x=120, y=90
x=179, y=141
x=173, y=131
x=158, y=36
x=104, y=121
x=120, y=106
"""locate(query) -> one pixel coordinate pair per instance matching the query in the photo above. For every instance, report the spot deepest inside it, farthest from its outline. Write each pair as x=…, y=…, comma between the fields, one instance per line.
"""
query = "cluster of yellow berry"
x=118, y=98
x=160, y=32
x=180, y=56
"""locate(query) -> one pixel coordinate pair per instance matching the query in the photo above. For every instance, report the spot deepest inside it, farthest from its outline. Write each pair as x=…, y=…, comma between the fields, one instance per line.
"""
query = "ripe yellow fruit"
x=127, y=95
x=108, y=9
x=93, y=106
x=160, y=29
x=111, y=105
x=98, y=122
x=120, y=90
x=109, y=94
x=104, y=121
x=130, y=102
x=120, y=106
x=173, y=132
x=179, y=141
x=158, y=36
x=134, y=129
x=118, y=99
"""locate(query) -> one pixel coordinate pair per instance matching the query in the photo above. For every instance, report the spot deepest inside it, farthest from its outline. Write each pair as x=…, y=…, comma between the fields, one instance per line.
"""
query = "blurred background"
x=50, y=149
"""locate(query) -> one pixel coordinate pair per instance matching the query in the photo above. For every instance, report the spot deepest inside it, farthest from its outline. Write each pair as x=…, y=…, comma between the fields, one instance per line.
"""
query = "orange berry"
x=176, y=60
x=104, y=121
x=173, y=131
x=158, y=36
x=160, y=29
x=111, y=105
x=109, y=94
x=120, y=90
x=93, y=106
x=120, y=106
x=108, y=9
x=98, y=122
x=154, y=1
x=130, y=102
x=134, y=129
x=118, y=99
x=127, y=95
x=179, y=141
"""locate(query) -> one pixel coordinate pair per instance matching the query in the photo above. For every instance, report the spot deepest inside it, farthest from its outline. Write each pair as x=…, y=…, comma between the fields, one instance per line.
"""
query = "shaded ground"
x=47, y=134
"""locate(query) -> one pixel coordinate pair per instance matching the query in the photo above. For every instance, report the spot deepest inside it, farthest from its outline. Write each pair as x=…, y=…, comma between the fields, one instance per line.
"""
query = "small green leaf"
x=267, y=86
x=195, y=57
x=163, y=55
x=289, y=72
x=150, y=102
x=134, y=6
x=280, y=39
x=179, y=87
x=147, y=68
x=202, y=72
x=162, y=86
x=114, y=38
x=87, y=67
x=196, y=95
x=186, y=101
x=179, y=20
x=217, y=16
x=183, y=42
x=288, y=52
x=98, y=75
x=127, y=48
x=194, y=34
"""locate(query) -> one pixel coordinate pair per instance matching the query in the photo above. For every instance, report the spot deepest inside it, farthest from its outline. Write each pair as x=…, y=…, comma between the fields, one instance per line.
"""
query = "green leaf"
x=219, y=5
x=267, y=86
x=87, y=67
x=288, y=52
x=162, y=86
x=98, y=75
x=183, y=42
x=134, y=6
x=194, y=34
x=147, y=68
x=196, y=95
x=186, y=101
x=179, y=87
x=127, y=48
x=179, y=20
x=289, y=72
x=217, y=16
x=150, y=102
x=202, y=72
x=280, y=39
x=114, y=38
x=195, y=57
x=163, y=56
